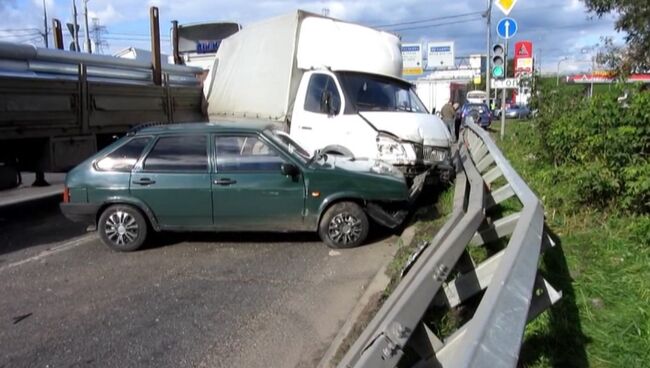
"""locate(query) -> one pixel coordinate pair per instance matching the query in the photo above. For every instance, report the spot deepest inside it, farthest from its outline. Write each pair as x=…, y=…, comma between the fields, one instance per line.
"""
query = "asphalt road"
x=187, y=300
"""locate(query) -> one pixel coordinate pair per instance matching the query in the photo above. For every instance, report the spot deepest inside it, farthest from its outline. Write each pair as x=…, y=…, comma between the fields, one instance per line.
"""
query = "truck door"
x=317, y=108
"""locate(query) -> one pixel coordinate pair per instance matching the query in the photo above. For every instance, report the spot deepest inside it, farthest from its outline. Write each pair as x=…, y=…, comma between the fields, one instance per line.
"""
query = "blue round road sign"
x=507, y=28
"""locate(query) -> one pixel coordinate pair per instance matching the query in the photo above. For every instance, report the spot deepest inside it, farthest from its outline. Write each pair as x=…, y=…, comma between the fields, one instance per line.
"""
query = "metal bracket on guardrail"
x=446, y=276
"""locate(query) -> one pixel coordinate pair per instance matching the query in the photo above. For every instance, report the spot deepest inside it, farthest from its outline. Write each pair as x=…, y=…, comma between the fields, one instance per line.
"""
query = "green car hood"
x=364, y=166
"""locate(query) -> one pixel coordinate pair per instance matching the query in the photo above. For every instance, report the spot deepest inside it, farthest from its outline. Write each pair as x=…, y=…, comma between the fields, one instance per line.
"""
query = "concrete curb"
x=377, y=285
x=28, y=198
x=26, y=193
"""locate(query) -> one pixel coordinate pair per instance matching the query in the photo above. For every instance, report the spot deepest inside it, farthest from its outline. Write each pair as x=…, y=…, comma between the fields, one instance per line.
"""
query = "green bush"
x=600, y=143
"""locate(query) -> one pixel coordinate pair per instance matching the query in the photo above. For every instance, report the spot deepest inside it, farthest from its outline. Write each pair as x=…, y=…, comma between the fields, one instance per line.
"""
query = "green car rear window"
x=125, y=157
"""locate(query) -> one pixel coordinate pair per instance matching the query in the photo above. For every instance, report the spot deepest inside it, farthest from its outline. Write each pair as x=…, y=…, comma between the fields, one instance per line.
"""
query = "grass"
x=601, y=263
x=602, y=266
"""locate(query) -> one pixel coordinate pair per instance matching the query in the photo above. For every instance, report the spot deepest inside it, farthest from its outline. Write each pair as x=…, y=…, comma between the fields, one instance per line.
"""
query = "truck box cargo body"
x=335, y=86
x=436, y=93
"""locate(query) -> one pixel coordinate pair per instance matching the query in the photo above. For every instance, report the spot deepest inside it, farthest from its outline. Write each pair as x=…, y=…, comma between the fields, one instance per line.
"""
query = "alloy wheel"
x=344, y=229
x=121, y=228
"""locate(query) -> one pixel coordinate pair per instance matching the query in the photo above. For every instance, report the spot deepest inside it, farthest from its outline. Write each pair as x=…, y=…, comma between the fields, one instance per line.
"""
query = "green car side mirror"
x=289, y=170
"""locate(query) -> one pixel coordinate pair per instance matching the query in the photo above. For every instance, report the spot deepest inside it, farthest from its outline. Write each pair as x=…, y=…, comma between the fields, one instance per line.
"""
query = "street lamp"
x=557, y=82
x=589, y=50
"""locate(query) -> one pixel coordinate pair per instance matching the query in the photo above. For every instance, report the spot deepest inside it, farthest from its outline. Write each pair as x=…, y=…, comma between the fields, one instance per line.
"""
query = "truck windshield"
x=366, y=92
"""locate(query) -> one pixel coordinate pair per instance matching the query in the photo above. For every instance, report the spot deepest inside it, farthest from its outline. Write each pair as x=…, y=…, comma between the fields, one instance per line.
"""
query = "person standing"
x=448, y=115
x=457, y=121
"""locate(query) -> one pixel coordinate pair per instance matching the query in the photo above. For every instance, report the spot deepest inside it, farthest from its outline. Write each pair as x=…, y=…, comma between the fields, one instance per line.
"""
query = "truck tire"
x=337, y=150
x=344, y=225
x=122, y=228
x=9, y=177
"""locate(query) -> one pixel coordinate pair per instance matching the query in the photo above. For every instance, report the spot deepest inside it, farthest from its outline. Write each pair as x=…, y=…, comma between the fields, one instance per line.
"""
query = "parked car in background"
x=517, y=112
x=479, y=112
x=230, y=177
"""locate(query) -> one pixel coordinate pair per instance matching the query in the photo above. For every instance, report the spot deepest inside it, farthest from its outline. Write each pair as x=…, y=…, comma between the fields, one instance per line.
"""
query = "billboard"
x=440, y=55
x=476, y=61
x=523, y=57
x=412, y=63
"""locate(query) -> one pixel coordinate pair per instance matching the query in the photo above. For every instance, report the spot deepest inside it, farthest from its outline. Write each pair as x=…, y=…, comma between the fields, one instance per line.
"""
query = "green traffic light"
x=497, y=71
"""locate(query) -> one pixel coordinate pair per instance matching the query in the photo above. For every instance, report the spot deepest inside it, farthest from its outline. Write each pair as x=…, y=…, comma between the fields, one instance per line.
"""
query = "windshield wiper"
x=316, y=157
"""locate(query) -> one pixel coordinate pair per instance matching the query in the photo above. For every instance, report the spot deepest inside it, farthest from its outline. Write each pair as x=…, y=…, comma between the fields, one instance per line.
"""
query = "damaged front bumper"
x=393, y=215
x=439, y=172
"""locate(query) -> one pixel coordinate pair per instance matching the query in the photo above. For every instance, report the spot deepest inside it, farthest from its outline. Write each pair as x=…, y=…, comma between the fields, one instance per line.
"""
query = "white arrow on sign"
x=509, y=83
x=507, y=29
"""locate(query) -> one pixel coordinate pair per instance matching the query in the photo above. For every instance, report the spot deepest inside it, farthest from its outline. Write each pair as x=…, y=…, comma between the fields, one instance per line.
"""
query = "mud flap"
x=389, y=220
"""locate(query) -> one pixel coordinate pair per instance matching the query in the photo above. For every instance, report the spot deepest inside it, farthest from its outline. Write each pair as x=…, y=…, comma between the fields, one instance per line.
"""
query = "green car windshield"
x=289, y=144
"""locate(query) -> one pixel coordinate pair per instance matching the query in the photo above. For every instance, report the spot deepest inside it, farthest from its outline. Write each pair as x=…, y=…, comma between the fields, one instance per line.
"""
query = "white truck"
x=334, y=86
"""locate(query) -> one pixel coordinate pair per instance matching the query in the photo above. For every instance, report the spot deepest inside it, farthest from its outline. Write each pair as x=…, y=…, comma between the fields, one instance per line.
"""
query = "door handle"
x=224, y=181
x=304, y=127
x=144, y=181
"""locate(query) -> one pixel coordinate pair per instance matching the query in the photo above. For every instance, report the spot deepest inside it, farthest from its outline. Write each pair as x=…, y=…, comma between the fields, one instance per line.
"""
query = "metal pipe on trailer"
x=155, y=46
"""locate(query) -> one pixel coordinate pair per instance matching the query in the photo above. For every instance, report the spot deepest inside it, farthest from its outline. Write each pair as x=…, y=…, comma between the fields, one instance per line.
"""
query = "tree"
x=634, y=19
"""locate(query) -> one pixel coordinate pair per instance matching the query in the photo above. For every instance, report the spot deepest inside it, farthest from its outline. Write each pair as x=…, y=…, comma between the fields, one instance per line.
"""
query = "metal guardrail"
x=445, y=275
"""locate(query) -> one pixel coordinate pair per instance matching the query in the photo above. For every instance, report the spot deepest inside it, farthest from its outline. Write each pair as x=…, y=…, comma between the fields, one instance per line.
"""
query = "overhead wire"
x=428, y=20
x=435, y=25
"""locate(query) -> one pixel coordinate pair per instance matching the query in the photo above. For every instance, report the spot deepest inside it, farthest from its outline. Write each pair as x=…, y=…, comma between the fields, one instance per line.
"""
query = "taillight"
x=66, y=195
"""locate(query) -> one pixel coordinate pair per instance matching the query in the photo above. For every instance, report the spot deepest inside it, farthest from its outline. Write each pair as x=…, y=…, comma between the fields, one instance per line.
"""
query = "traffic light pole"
x=503, y=92
x=487, y=54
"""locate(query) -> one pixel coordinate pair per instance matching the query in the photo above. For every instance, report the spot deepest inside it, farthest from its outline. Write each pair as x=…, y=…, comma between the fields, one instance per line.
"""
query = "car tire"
x=344, y=225
x=122, y=227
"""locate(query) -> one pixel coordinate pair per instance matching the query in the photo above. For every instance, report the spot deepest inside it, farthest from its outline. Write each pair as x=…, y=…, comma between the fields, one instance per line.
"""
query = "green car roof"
x=222, y=126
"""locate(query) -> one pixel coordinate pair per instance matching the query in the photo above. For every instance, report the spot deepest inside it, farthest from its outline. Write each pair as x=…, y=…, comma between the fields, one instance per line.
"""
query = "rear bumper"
x=80, y=212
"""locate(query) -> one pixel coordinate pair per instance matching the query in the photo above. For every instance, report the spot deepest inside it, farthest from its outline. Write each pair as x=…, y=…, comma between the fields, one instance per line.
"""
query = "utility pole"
x=45, y=34
x=97, y=31
x=75, y=27
x=488, y=15
x=88, y=49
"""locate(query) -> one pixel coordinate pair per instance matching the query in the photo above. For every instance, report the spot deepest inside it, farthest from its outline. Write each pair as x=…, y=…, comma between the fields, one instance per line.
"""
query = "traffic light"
x=498, y=61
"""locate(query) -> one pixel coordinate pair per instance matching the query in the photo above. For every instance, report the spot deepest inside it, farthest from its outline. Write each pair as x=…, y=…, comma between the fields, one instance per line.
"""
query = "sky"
x=558, y=28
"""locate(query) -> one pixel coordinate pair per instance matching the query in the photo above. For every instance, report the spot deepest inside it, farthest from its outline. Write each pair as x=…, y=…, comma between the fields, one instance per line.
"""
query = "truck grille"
x=419, y=152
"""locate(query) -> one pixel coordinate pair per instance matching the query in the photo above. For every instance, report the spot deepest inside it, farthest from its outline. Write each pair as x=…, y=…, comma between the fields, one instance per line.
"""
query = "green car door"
x=173, y=180
x=249, y=190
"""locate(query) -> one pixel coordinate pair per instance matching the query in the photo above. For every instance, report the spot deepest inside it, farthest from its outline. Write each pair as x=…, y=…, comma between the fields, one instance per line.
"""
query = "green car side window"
x=245, y=153
x=178, y=153
x=124, y=158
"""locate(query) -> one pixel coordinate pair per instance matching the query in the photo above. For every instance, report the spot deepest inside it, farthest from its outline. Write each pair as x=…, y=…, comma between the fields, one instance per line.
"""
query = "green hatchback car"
x=230, y=177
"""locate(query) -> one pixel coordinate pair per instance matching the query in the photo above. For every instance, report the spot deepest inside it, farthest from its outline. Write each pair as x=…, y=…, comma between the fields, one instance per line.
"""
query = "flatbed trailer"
x=58, y=107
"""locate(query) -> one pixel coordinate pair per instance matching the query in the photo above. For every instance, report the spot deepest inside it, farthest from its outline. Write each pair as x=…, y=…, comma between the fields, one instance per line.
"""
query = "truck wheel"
x=344, y=225
x=337, y=150
x=122, y=228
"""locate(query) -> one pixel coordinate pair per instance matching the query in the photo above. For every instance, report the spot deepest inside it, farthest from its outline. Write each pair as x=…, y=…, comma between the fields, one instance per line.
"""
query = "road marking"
x=54, y=250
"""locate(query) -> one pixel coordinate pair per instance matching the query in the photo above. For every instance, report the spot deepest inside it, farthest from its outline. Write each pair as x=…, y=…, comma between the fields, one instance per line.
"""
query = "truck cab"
x=334, y=86
x=369, y=116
